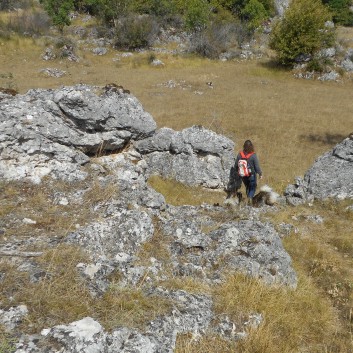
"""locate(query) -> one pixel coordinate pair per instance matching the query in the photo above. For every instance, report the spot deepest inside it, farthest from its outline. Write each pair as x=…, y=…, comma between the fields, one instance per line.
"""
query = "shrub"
x=315, y=65
x=302, y=31
x=217, y=38
x=59, y=11
x=36, y=22
x=15, y=4
x=136, y=32
x=159, y=8
x=111, y=10
x=197, y=14
x=341, y=11
x=237, y=6
x=254, y=13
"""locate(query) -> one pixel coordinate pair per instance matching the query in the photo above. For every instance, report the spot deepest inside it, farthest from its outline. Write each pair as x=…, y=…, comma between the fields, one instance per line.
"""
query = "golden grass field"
x=291, y=122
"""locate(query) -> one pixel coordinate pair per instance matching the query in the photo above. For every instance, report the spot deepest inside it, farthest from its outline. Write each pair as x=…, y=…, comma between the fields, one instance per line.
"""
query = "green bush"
x=301, y=31
x=237, y=6
x=112, y=10
x=59, y=11
x=315, y=65
x=254, y=13
x=341, y=11
x=159, y=8
x=197, y=14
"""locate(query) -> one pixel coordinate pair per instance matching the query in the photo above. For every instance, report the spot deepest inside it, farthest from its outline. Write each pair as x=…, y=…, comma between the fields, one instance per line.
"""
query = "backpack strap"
x=245, y=156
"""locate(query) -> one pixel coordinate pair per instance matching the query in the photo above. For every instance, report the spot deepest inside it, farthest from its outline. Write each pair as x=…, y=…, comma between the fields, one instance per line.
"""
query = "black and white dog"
x=266, y=196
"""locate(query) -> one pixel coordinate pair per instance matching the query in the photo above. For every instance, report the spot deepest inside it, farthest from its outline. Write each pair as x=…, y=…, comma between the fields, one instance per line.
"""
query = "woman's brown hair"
x=248, y=146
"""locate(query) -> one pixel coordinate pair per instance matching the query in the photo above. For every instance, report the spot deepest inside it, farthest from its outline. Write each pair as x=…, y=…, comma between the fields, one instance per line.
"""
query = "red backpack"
x=243, y=167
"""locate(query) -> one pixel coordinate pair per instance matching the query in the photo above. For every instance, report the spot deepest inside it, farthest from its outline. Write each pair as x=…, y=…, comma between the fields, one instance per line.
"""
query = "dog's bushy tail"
x=271, y=197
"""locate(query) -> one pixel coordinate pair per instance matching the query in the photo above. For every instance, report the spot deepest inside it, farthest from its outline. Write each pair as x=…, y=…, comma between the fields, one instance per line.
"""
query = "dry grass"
x=156, y=247
x=286, y=326
x=179, y=194
x=62, y=296
x=37, y=202
x=188, y=284
x=186, y=343
x=323, y=252
x=128, y=307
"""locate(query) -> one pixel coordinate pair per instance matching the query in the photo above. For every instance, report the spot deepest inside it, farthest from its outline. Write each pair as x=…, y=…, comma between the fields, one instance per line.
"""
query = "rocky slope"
x=103, y=134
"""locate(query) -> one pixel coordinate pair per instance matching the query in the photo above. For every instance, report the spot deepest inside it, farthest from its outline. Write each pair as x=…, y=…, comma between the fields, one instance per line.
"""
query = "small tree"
x=112, y=10
x=254, y=13
x=302, y=31
x=341, y=11
x=59, y=11
x=196, y=14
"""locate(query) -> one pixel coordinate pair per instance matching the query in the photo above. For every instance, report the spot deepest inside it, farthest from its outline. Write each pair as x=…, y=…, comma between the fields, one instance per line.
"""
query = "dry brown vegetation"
x=291, y=123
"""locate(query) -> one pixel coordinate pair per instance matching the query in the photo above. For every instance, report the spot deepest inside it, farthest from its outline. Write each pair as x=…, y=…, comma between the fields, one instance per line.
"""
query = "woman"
x=248, y=166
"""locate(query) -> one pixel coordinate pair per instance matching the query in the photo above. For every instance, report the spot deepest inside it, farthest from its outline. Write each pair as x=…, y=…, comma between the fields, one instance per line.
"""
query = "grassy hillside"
x=291, y=122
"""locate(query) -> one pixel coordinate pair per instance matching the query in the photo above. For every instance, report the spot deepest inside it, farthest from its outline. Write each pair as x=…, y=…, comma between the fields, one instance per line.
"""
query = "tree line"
x=303, y=29
x=194, y=13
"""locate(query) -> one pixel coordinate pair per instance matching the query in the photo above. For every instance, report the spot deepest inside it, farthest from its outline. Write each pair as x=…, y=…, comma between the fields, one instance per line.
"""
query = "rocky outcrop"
x=331, y=174
x=105, y=136
x=249, y=246
x=56, y=131
x=193, y=156
x=329, y=177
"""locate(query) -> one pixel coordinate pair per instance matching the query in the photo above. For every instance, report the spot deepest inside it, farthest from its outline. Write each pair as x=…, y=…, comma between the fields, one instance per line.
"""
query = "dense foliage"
x=195, y=15
x=302, y=31
x=214, y=24
x=341, y=11
x=59, y=11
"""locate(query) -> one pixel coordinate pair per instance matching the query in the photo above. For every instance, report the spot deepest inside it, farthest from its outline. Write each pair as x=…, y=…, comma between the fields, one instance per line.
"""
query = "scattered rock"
x=53, y=72
x=13, y=317
x=100, y=51
x=67, y=51
x=49, y=54
x=347, y=65
x=329, y=76
x=157, y=63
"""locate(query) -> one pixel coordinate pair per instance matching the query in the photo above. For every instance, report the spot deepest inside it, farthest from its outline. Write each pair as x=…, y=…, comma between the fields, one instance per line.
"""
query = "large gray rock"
x=123, y=233
x=331, y=174
x=194, y=156
x=248, y=246
x=55, y=131
x=329, y=177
